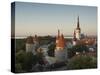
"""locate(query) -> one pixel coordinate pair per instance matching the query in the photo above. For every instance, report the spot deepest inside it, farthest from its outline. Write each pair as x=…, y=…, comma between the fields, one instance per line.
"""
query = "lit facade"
x=31, y=44
x=78, y=30
x=60, y=50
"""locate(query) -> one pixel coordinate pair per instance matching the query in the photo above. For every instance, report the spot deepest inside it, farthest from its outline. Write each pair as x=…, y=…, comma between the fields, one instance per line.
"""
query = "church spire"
x=78, y=24
x=58, y=33
x=78, y=29
x=60, y=41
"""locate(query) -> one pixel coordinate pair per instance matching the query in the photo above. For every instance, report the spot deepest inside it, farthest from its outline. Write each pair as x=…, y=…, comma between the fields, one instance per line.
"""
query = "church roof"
x=61, y=40
x=29, y=40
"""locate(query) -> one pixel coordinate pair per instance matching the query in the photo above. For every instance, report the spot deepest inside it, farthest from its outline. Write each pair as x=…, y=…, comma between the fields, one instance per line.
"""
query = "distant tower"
x=57, y=38
x=60, y=50
x=36, y=40
x=30, y=45
x=78, y=30
x=74, y=39
x=60, y=42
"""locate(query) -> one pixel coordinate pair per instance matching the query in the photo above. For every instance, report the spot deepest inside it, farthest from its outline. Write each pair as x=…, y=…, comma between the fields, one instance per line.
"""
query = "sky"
x=46, y=19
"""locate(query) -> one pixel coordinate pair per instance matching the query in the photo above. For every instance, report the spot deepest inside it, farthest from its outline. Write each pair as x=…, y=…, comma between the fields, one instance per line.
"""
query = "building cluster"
x=32, y=44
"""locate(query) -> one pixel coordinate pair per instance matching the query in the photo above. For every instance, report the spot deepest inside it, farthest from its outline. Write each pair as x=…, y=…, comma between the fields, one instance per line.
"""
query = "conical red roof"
x=60, y=41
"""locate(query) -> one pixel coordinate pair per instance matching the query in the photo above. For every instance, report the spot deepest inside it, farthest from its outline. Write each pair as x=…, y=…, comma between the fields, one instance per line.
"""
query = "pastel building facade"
x=77, y=33
x=31, y=44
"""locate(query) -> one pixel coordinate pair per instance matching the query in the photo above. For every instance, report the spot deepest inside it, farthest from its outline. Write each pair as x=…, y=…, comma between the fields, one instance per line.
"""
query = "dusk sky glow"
x=46, y=19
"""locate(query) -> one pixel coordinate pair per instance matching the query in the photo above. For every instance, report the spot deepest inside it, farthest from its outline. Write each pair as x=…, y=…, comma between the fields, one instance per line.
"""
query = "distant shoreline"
x=26, y=37
x=69, y=37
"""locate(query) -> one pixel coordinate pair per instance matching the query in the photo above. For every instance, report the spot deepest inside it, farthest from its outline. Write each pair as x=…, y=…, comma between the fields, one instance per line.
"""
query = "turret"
x=74, y=38
x=60, y=50
x=29, y=44
x=32, y=44
x=60, y=42
x=78, y=30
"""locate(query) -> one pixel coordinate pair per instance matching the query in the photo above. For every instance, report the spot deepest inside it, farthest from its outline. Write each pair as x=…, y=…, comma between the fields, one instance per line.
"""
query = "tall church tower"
x=60, y=50
x=32, y=43
x=78, y=30
x=57, y=37
x=60, y=41
x=74, y=39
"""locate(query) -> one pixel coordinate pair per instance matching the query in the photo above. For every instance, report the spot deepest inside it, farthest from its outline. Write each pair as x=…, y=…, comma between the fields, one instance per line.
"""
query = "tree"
x=70, y=52
x=29, y=62
x=20, y=44
x=18, y=67
x=51, y=50
x=20, y=56
x=40, y=58
x=26, y=61
x=78, y=48
x=82, y=62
